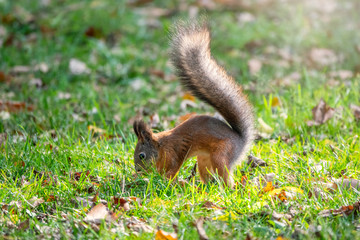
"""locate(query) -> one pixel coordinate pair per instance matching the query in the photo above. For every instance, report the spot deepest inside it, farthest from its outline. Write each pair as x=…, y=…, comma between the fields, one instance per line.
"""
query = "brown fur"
x=217, y=145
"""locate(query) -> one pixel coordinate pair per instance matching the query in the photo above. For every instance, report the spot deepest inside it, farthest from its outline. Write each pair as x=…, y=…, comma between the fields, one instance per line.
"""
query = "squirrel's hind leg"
x=222, y=169
x=205, y=168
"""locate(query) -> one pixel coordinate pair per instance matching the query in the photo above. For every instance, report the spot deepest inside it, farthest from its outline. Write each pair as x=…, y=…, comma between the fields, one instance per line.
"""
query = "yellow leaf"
x=95, y=129
x=269, y=187
x=162, y=235
x=188, y=96
x=293, y=189
x=275, y=191
x=264, y=127
x=275, y=102
x=225, y=217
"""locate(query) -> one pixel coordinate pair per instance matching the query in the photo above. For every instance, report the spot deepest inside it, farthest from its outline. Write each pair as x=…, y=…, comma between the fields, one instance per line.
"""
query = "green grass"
x=51, y=139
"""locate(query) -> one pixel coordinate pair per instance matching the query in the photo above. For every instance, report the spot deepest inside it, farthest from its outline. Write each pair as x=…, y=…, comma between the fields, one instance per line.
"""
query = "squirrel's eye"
x=142, y=156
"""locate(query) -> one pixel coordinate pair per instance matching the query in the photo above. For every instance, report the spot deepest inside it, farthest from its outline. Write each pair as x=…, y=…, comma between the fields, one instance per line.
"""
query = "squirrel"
x=217, y=146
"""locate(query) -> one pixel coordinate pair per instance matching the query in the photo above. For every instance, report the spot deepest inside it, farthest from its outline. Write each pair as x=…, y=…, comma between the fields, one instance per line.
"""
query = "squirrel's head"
x=147, y=147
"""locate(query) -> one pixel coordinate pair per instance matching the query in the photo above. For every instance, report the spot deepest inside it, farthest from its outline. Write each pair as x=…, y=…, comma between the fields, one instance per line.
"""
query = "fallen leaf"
x=99, y=213
x=14, y=107
x=154, y=12
x=322, y=57
x=94, y=32
x=83, y=202
x=154, y=121
x=24, y=225
x=289, y=80
x=254, y=66
x=3, y=138
x=96, y=129
x=162, y=235
x=342, y=211
x=210, y=205
x=255, y=162
x=157, y=73
x=187, y=103
x=245, y=17
x=35, y=201
x=137, y=3
x=341, y=74
x=78, y=67
x=122, y=203
x=264, y=127
x=188, y=96
x=356, y=111
x=4, y=115
x=347, y=183
x=4, y=77
x=42, y=67
x=321, y=114
x=268, y=188
x=138, y=226
x=77, y=175
x=275, y=102
x=200, y=229
x=63, y=95
x=20, y=69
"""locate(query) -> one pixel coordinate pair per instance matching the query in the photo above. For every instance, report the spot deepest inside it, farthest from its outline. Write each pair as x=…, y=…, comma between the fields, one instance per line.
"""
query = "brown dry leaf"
x=3, y=138
x=83, y=202
x=254, y=66
x=14, y=107
x=211, y=205
x=245, y=17
x=162, y=235
x=4, y=77
x=94, y=32
x=24, y=225
x=154, y=121
x=138, y=226
x=289, y=80
x=341, y=74
x=322, y=57
x=122, y=203
x=157, y=73
x=20, y=69
x=342, y=211
x=137, y=3
x=154, y=12
x=200, y=229
x=77, y=175
x=356, y=111
x=321, y=113
x=100, y=213
x=96, y=129
x=35, y=201
x=347, y=183
x=255, y=162
x=78, y=67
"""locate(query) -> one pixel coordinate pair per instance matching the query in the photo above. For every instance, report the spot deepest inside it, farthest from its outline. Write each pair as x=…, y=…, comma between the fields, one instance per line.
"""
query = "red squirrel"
x=217, y=146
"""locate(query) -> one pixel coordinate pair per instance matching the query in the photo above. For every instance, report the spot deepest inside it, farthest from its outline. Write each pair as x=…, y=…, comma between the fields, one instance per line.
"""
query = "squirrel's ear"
x=142, y=131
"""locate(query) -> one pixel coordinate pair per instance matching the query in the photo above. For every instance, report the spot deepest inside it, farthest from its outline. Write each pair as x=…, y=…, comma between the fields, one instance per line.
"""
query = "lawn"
x=75, y=74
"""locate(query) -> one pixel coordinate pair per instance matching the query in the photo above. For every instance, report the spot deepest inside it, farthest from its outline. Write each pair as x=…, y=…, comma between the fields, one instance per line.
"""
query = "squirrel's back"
x=199, y=73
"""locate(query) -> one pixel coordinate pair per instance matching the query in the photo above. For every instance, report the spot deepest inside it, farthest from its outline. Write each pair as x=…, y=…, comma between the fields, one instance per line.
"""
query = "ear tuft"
x=142, y=130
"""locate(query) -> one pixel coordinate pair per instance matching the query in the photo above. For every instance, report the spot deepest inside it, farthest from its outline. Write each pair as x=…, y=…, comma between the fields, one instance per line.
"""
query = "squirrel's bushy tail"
x=199, y=73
